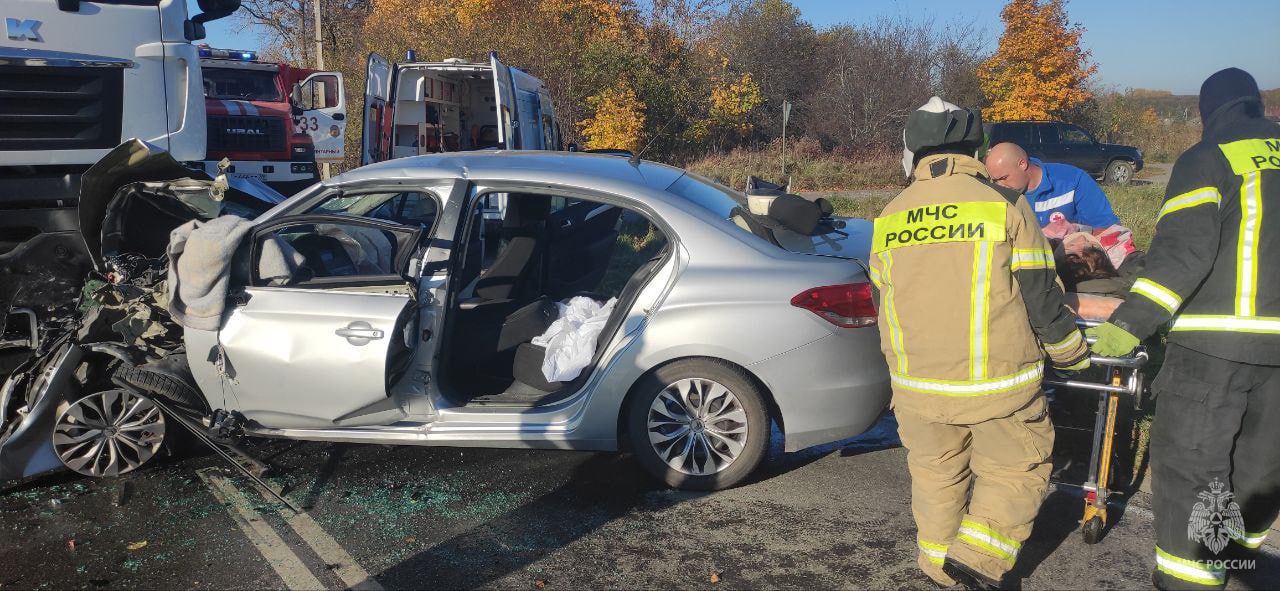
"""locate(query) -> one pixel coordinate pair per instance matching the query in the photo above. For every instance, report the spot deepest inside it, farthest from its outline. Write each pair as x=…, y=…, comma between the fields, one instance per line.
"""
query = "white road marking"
x=330, y=551
x=277, y=553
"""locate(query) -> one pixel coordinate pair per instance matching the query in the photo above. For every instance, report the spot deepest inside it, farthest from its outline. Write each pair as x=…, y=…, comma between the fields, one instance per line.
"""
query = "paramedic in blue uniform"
x=1051, y=187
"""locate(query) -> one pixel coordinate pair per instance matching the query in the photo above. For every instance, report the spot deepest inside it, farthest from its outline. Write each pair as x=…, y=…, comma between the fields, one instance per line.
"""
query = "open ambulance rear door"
x=375, y=140
x=504, y=92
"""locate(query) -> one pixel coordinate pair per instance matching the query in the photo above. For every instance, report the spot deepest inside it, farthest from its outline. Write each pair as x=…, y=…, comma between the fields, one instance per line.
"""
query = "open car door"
x=324, y=115
x=504, y=93
x=316, y=349
x=374, y=142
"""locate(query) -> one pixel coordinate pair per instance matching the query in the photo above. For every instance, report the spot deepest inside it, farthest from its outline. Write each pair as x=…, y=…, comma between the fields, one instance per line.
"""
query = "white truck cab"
x=78, y=77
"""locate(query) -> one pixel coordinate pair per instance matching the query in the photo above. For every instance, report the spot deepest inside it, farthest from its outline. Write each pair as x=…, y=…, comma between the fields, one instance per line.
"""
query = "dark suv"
x=1053, y=141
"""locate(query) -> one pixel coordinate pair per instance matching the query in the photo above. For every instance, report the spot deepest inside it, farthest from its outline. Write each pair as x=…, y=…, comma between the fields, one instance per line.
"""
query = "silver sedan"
x=508, y=299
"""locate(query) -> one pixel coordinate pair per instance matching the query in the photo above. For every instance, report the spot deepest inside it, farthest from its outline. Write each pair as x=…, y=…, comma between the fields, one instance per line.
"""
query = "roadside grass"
x=1137, y=206
x=809, y=169
x=860, y=207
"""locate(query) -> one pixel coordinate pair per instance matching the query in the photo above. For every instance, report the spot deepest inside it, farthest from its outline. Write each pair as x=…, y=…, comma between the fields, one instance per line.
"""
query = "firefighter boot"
x=968, y=578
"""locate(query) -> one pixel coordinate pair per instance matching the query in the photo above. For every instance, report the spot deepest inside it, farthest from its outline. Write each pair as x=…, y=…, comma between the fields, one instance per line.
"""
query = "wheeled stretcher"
x=1121, y=376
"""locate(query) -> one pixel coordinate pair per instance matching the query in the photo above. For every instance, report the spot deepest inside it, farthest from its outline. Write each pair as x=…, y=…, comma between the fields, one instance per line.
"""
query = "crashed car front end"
x=29, y=399
x=118, y=334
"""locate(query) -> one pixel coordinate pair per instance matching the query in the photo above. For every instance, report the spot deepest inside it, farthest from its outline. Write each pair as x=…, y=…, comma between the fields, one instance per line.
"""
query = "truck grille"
x=60, y=108
x=231, y=133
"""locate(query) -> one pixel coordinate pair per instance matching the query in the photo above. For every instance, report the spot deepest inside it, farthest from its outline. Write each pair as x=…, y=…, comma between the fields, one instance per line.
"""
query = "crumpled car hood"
x=137, y=193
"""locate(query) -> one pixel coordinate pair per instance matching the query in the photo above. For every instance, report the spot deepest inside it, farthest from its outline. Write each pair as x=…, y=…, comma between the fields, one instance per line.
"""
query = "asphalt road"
x=404, y=517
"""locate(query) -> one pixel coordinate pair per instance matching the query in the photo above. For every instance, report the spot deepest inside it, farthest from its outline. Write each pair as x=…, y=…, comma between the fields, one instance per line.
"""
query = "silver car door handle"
x=359, y=333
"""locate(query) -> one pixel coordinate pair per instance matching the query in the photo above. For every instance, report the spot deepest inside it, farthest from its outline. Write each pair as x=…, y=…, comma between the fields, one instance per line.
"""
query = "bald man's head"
x=1009, y=166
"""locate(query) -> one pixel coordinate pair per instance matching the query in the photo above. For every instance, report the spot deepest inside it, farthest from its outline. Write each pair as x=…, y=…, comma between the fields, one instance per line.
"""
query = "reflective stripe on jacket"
x=968, y=293
x=1212, y=265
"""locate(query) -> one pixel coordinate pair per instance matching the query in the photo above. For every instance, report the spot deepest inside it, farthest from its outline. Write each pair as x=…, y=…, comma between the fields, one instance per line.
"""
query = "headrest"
x=526, y=208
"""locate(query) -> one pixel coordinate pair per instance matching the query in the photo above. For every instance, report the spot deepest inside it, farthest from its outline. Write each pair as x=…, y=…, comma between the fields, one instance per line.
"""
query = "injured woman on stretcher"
x=1097, y=265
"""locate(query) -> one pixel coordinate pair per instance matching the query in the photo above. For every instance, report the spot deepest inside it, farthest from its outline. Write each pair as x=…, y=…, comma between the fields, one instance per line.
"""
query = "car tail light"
x=847, y=306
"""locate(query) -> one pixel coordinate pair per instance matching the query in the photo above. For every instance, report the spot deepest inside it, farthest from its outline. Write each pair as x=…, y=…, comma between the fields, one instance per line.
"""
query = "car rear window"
x=731, y=206
x=708, y=194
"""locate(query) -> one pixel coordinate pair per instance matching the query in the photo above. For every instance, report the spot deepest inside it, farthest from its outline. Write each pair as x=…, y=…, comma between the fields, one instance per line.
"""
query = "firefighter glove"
x=1113, y=341
x=1080, y=365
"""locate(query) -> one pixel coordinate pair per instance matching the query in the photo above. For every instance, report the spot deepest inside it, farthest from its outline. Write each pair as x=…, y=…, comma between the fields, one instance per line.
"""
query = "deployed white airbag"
x=570, y=341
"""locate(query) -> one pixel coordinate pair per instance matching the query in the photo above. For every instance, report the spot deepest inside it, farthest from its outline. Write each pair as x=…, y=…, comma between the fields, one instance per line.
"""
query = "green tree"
x=769, y=40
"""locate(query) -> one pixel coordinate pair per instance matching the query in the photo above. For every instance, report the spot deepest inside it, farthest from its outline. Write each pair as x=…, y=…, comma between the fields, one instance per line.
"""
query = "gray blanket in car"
x=200, y=255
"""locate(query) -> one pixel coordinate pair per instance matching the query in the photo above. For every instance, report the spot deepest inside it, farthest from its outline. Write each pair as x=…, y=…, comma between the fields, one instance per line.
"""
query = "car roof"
x=571, y=167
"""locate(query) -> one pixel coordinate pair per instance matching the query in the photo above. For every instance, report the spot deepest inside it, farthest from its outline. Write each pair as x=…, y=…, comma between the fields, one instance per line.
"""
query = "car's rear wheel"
x=698, y=424
x=1119, y=172
x=108, y=433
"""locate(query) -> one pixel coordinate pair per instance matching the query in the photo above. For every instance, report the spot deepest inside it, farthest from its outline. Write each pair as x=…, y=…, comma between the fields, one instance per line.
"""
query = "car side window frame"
x=438, y=203
x=263, y=233
x=1041, y=130
x=479, y=189
x=1063, y=129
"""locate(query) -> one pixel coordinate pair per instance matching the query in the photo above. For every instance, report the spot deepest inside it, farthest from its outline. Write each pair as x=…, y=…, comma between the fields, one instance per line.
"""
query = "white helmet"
x=938, y=123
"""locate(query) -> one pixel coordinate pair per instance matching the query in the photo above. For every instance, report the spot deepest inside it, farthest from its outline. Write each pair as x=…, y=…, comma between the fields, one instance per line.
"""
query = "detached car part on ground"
x=411, y=322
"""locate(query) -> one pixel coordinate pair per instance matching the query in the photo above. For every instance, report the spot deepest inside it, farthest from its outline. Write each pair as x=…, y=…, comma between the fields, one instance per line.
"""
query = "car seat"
x=522, y=235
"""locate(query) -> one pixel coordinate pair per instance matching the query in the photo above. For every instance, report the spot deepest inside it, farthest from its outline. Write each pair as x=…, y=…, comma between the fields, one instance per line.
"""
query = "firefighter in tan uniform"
x=970, y=304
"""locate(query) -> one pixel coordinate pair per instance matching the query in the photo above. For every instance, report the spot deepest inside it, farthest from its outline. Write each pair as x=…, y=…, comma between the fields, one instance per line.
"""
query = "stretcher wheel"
x=1092, y=530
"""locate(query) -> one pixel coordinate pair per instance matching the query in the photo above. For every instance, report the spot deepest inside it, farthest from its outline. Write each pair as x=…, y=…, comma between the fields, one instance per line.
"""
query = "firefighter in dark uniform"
x=1214, y=269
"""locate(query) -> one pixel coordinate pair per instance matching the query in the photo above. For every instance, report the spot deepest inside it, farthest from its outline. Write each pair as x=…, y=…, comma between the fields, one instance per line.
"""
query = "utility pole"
x=786, y=114
x=315, y=4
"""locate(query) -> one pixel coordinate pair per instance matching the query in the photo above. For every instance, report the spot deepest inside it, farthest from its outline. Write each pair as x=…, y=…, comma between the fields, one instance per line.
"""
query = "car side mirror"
x=295, y=98
x=211, y=10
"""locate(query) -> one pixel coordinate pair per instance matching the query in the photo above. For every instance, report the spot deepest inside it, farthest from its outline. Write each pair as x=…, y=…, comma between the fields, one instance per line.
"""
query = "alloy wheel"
x=1121, y=175
x=108, y=433
x=697, y=426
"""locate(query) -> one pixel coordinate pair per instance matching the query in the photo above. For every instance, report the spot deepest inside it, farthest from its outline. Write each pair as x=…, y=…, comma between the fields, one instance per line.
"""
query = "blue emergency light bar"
x=228, y=54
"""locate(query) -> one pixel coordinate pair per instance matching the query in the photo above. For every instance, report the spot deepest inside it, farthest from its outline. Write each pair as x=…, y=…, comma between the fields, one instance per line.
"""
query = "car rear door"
x=1081, y=150
x=1050, y=143
x=313, y=350
x=378, y=85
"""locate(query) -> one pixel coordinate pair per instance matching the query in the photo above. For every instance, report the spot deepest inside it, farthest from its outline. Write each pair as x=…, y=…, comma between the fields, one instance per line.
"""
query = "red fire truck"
x=272, y=121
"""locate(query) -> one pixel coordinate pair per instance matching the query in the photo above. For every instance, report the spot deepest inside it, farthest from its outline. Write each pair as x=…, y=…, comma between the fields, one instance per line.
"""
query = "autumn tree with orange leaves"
x=617, y=121
x=1039, y=69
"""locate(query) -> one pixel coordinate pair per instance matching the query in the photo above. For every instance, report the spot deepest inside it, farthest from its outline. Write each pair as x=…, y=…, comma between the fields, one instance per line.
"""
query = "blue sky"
x=1170, y=44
